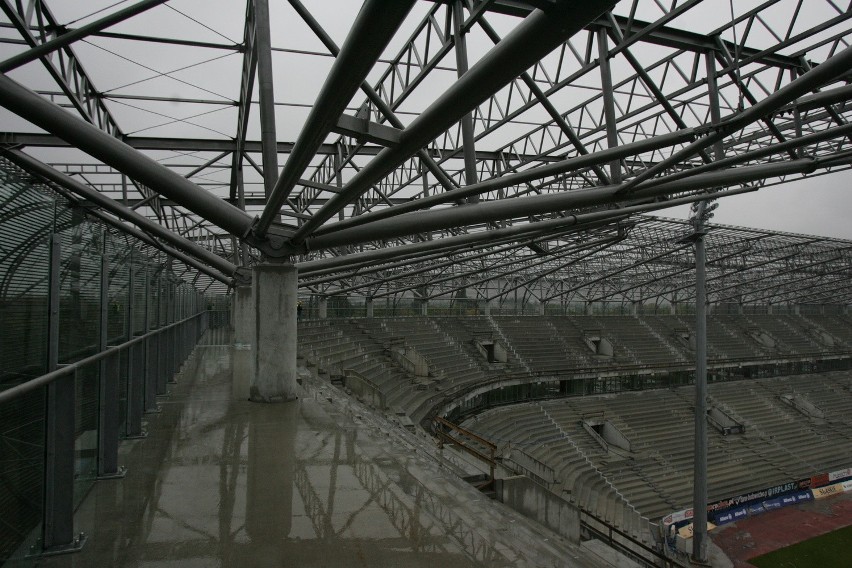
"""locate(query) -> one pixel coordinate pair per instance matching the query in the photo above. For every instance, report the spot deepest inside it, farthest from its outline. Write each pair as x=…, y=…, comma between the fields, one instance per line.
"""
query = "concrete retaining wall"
x=535, y=502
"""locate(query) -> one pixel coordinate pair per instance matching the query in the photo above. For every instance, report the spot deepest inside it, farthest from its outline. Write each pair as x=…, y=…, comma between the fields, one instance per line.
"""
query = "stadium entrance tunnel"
x=599, y=345
x=491, y=350
x=606, y=434
x=723, y=422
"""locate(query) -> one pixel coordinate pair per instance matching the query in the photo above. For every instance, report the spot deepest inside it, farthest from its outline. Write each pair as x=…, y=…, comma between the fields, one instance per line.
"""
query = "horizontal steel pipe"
x=71, y=368
x=436, y=219
x=483, y=238
x=509, y=180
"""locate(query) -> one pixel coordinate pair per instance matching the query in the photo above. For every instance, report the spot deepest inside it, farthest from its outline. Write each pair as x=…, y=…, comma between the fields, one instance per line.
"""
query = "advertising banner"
x=827, y=491
x=731, y=516
x=840, y=474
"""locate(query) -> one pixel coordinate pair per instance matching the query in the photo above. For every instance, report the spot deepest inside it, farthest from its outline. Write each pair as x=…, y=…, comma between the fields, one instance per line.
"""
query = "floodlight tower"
x=702, y=212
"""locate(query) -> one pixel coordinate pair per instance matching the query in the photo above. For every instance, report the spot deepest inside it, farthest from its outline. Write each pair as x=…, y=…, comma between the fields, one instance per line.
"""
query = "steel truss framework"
x=469, y=148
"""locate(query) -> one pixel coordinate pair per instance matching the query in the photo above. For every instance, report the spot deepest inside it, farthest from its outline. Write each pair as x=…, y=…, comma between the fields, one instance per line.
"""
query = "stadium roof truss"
x=441, y=149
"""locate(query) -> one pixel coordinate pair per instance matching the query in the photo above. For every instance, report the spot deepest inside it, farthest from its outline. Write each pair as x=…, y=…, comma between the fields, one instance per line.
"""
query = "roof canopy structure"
x=425, y=148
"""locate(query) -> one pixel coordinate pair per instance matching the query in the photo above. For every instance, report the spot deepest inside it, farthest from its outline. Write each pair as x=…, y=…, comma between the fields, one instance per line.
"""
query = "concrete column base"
x=369, y=307
x=323, y=308
x=274, y=295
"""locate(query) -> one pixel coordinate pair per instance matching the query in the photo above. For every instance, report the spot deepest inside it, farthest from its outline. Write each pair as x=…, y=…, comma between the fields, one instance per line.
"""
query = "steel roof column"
x=468, y=145
x=371, y=32
x=266, y=93
x=609, y=102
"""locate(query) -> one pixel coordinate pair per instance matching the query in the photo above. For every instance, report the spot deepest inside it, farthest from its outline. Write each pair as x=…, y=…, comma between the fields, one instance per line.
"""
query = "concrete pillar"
x=634, y=308
x=323, y=308
x=769, y=309
x=740, y=309
x=542, y=308
x=795, y=309
x=243, y=362
x=845, y=309
x=588, y=308
x=487, y=307
x=424, y=307
x=369, y=303
x=274, y=294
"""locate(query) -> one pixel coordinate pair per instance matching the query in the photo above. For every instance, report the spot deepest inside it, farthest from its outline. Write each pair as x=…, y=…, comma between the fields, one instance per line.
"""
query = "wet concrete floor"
x=316, y=482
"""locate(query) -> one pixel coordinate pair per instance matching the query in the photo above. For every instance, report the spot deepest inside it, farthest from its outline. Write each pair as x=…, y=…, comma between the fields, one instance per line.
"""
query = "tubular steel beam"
x=70, y=37
x=189, y=247
x=532, y=174
x=371, y=32
x=531, y=40
x=122, y=157
x=420, y=221
x=567, y=224
x=491, y=237
x=247, y=76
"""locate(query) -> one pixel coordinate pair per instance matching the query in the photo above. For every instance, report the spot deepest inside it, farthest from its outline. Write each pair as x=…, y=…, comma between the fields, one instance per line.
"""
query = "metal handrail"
x=67, y=369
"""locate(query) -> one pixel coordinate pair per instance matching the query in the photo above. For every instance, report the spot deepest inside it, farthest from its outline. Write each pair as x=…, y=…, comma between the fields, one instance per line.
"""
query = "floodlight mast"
x=701, y=214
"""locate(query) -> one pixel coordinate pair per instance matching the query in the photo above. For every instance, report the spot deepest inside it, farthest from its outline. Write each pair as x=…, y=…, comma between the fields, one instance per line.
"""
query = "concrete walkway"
x=316, y=482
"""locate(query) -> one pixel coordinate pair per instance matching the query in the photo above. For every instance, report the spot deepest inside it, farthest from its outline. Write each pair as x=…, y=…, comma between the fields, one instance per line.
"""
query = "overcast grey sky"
x=814, y=206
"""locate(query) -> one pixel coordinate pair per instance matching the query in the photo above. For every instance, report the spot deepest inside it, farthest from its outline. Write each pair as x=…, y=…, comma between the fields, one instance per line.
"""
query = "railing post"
x=159, y=339
x=135, y=363
x=171, y=366
x=109, y=421
x=108, y=371
x=58, y=504
x=150, y=353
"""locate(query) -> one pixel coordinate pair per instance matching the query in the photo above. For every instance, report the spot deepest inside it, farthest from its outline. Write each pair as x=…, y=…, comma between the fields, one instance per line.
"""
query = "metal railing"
x=129, y=378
